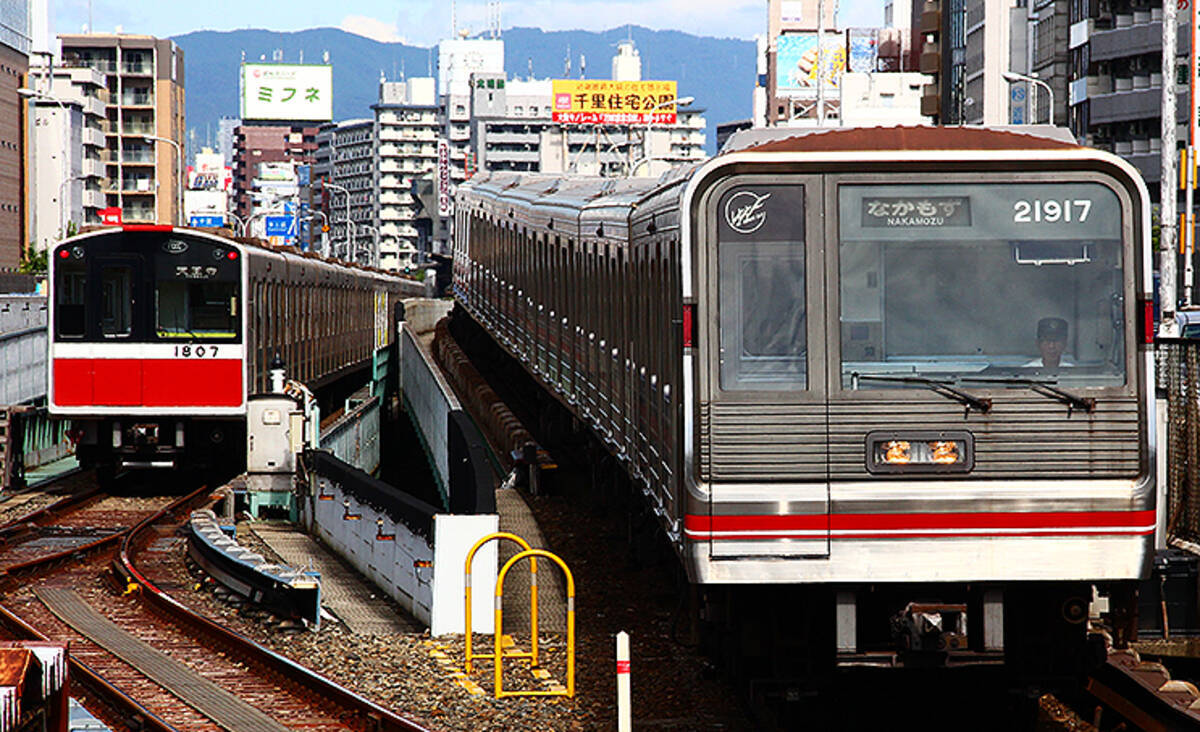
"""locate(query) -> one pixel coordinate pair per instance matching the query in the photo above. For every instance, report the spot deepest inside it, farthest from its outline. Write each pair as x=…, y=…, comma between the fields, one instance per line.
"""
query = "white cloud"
x=376, y=30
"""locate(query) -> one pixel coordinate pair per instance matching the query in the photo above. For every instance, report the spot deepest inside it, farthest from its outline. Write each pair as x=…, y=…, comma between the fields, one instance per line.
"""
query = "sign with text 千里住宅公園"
x=602, y=101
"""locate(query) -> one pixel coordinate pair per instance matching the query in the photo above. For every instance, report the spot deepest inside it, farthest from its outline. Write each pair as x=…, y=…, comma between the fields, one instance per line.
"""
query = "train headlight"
x=920, y=452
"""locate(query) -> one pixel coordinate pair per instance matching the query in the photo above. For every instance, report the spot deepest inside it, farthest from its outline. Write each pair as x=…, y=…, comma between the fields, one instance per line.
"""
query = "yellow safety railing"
x=532, y=554
x=532, y=655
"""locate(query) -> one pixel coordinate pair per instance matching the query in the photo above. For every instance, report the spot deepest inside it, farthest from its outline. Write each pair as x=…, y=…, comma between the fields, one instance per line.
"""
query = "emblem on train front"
x=746, y=211
x=174, y=246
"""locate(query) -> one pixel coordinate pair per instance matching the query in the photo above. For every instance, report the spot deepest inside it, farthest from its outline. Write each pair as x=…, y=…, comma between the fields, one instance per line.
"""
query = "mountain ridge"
x=703, y=66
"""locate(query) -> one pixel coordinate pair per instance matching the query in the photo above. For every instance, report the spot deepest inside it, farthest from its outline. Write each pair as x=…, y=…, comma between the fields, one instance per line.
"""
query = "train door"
x=764, y=425
x=122, y=304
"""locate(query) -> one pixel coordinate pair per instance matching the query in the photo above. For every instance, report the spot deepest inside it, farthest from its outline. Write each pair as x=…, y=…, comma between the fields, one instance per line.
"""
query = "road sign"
x=206, y=221
x=279, y=225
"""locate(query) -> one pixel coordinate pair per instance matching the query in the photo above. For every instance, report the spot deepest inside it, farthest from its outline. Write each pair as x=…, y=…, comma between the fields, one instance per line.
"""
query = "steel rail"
x=373, y=716
x=89, y=679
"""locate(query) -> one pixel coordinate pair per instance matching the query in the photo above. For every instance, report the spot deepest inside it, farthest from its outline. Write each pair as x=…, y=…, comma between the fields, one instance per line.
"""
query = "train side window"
x=116, y=300
x=70, y=318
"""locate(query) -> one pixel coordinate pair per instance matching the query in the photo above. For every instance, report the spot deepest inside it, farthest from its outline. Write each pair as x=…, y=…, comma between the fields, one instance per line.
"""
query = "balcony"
x=136, y=100
x=92, y=167
x=104, y=66
x=131, y=157
x=137, y=68
x=94, y=137
x=93, y=199
x=931, y=16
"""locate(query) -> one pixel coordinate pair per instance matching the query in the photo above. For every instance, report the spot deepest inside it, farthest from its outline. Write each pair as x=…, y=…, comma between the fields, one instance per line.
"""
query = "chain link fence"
x=1179, y=377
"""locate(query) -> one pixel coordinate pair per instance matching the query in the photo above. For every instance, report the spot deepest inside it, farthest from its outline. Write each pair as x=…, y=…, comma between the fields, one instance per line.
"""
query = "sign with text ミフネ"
x=287, y=91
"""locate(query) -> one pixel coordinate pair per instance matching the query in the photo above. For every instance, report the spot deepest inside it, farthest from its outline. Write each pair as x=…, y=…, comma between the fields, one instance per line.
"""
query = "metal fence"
x=1179, y=378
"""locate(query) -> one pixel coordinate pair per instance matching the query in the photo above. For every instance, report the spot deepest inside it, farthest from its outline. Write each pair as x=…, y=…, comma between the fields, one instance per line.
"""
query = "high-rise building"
x=68, y=114
x=14, y=65
x=144, y=120
x=258, y=149
x=407, y=127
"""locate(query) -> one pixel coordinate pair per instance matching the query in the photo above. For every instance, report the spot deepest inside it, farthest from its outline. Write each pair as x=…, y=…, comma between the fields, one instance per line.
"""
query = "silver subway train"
x=891, y=368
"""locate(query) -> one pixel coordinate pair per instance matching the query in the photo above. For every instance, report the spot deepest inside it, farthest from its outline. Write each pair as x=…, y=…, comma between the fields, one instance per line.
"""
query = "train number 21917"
x=195, y=351
x=1038, y=211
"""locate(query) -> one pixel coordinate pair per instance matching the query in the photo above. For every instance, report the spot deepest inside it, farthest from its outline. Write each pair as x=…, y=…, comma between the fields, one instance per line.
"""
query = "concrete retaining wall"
x=424, y=577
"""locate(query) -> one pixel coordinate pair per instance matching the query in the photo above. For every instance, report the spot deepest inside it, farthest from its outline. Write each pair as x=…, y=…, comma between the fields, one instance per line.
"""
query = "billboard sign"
x=110, y=216
x=287, y=92
x=282, y=172
x=796, y=60
x=607, y=102
x=443, y=177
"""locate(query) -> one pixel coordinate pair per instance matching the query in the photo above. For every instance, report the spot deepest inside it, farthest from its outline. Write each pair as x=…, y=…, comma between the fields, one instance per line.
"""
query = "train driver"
x=1051, y=343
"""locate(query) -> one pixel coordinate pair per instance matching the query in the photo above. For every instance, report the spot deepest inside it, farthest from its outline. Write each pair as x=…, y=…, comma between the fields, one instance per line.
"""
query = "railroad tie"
x=209, y=699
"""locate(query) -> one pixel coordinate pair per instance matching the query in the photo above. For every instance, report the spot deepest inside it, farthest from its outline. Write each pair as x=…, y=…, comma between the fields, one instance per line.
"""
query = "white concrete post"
x=624, y=712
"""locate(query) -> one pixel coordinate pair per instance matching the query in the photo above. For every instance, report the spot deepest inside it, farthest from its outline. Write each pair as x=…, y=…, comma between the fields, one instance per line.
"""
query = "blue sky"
x=424, y=22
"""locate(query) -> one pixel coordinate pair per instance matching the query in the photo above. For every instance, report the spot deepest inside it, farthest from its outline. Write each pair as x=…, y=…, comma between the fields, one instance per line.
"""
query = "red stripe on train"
x=150, y=382
x=848, y=524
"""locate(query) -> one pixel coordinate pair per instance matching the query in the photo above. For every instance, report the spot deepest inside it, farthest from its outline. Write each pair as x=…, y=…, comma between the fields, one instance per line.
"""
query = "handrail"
x=499, y=656
x=533, y=601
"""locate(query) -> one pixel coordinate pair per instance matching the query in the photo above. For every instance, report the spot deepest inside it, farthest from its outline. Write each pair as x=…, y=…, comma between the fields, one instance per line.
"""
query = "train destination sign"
x=922, y=211
x=602, y=101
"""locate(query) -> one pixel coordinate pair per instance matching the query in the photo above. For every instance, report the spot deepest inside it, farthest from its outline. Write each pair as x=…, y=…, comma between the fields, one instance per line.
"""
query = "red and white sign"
x=443, y=178
x=111, y=216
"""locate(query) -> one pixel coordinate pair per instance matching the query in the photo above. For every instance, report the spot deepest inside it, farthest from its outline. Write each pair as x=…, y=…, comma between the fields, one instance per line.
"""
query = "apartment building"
x=68, y=114
x=144, y=120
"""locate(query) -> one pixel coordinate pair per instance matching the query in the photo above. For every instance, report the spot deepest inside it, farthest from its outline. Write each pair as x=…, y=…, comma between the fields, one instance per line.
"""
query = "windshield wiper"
x=1087, y=404
x=938, y=387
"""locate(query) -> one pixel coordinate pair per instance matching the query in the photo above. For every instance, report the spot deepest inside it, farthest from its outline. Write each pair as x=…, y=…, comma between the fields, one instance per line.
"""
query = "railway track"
x=144, y=658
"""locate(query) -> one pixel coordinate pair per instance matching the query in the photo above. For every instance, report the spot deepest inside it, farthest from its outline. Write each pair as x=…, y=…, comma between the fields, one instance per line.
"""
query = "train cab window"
x=196, y=292
x=70, y=319
x=116, y=300
x=761, y=288
x=965, y=283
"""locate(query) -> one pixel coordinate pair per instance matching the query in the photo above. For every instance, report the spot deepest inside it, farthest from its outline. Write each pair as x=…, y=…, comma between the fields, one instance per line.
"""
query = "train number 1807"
x=1038, y=211
x=195, y=351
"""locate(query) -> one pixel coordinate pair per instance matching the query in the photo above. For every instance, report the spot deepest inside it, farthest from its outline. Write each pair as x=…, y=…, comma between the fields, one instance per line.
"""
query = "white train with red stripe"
x=869, y=367
x=159, y=335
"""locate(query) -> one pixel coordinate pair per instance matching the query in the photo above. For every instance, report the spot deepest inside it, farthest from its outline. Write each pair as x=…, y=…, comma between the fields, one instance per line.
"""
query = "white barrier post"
x=624, y=713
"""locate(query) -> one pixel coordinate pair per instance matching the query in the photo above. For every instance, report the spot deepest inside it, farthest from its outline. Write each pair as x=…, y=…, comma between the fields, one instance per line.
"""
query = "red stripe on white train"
x=919, y=525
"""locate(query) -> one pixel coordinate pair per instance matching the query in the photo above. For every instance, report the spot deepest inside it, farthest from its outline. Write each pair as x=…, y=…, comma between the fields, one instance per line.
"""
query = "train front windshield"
x=145, y=287
x=981, y=281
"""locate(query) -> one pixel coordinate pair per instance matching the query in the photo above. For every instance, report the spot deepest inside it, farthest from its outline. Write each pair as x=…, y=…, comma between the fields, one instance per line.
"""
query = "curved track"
x=173, y=669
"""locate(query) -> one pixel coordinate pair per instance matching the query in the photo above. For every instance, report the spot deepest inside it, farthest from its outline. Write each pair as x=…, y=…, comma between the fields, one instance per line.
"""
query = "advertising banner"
x=110, y=216
x=443, y=177
x=796, y=60
x=287, y=92
x=607, y=102
x=862, y=45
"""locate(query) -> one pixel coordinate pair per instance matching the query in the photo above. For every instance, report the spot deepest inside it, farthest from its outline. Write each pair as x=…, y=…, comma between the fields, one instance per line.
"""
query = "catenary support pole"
x=1168, y=234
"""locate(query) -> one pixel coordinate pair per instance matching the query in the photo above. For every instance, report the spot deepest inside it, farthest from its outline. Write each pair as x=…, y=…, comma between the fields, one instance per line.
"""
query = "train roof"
x=1017, y=137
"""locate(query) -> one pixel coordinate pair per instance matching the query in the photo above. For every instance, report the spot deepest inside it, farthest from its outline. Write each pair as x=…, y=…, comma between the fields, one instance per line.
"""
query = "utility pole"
x=1169, y=179
x=820, y=63
x=1189, y=234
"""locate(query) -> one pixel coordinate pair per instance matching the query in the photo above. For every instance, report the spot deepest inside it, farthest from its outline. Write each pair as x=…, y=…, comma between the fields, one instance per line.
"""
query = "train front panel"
x=917, y=366
x=147, y=336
